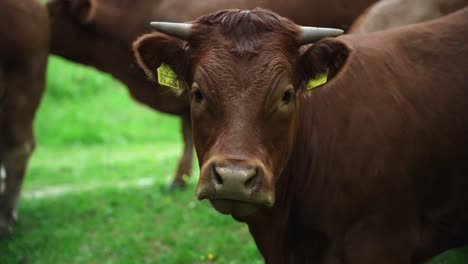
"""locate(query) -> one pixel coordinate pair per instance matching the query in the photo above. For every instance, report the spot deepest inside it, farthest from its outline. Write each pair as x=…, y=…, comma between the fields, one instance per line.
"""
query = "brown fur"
x=100, y=33
x=24, y=35
x=369, y=168
x=387, y=14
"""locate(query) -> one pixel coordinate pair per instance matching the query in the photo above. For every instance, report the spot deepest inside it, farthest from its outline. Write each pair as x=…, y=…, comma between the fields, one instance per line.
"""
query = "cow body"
x=370, y=167
x=99, y=33
x=379, y=169
x=23, y=56
x=387, y=14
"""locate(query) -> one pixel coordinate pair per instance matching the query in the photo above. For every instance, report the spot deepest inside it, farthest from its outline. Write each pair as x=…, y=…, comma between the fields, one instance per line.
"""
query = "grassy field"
x=96, y=188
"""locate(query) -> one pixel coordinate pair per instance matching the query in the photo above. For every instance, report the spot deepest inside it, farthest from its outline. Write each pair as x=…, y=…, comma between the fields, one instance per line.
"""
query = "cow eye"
x=198, y=96
x=196, y=93
x=287, y=95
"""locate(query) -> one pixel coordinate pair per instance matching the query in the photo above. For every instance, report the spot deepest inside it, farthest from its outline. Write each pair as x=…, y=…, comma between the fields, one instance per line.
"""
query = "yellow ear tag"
x=317, y=81
x=167, y=77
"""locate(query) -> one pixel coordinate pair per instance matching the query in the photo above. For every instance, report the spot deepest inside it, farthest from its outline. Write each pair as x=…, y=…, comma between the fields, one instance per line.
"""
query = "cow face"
x=245, y=89
x=243, y=119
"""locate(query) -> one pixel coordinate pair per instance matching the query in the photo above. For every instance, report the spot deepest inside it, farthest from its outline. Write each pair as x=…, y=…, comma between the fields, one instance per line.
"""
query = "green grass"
x=128, y=225
x=86, y=108
x=96, y=187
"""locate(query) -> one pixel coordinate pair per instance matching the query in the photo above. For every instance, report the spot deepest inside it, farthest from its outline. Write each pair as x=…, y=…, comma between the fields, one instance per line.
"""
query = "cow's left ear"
x=321, y=61
x=164, y=59
x=95, y=11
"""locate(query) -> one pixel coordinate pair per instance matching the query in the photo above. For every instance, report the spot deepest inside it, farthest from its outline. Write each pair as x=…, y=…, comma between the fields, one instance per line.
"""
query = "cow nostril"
x=252, y=181
x=215, y=176
x=218, y=179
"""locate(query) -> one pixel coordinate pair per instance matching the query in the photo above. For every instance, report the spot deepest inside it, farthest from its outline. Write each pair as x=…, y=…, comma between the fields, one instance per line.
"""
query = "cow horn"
x=312, y=34
x=177, y=30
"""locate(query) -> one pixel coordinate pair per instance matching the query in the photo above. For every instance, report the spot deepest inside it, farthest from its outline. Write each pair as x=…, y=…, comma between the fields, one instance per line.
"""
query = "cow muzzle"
x=235, y=187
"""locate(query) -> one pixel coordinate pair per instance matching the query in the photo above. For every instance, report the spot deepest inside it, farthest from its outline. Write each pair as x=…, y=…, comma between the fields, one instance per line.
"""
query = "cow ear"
x=89, y=11
x=321, y=61
x=84, y=10
x=164, y=60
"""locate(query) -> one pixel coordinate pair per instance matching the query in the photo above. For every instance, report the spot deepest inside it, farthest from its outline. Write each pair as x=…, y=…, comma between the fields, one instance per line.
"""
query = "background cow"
x=387, y=14
x=370, y=167
x=24, y=34
x=100, y=33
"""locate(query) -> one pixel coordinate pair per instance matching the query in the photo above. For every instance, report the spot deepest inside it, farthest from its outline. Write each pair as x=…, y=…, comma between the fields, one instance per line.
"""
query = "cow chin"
x=237, y=209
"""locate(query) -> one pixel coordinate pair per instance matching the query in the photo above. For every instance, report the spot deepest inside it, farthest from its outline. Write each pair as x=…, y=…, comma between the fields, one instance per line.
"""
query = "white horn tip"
x=161, y=25
x=156, y=24
x=178, y=30
x=331, y=32
x=312, y=34
x=338, y=31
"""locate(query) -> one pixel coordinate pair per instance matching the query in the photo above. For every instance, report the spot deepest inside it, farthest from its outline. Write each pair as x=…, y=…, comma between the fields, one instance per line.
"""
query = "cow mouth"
x=237, y=209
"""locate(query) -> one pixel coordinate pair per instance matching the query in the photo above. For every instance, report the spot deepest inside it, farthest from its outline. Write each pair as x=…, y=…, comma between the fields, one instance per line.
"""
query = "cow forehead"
x=245, y=46
x=245, y=28
x=254, y=77
x=224, y=66
x=242, y=62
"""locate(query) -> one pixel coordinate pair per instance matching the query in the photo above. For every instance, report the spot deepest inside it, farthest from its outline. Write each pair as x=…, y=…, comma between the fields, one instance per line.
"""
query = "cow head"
x=245, y=74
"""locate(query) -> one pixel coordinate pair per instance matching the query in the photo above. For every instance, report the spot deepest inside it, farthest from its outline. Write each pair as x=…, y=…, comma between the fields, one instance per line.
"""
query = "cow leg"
x=185, y=163
x=16, y=133
x=3, y=176
x=12, y=170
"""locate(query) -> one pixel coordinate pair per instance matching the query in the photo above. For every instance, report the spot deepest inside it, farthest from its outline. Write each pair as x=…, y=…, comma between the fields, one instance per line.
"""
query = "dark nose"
x=236, y=180
x=235, y=177
x=230, y=181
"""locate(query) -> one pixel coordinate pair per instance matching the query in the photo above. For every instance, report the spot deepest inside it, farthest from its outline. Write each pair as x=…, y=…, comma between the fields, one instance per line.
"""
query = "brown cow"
x=100, y=33
x=24, y=34
x=387, y=14
x=370, y=167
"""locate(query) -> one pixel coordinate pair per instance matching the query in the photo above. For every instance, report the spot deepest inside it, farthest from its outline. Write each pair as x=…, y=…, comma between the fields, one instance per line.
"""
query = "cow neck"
x=289, y=230
x=118, y=61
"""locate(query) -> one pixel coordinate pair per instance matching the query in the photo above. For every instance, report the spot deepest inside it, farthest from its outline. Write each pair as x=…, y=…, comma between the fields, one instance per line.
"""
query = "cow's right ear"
x=321, y=61
x=164, y=60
